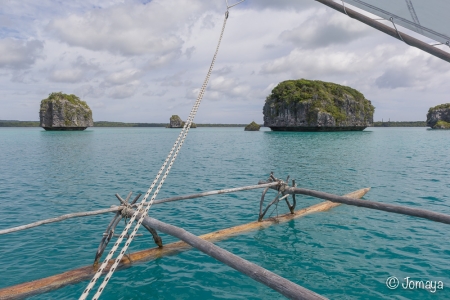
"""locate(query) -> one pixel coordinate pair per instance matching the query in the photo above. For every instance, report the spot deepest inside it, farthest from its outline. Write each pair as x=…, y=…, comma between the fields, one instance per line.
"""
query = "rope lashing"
x=398, y=33
x=172, y=156
x=281, y=187
x=343, y=4
x=109, y=233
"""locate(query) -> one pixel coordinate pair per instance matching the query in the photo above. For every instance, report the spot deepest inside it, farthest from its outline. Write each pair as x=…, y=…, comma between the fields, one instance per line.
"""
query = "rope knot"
x=282, y=186
x=126, y=211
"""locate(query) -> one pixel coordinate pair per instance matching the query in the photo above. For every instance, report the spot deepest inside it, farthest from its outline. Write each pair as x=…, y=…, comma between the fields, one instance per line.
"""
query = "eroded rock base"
x=314, y=129
x=64, y=128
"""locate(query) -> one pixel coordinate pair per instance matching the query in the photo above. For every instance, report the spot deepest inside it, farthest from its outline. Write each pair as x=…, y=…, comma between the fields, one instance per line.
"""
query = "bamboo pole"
x=285, y=287
x=61, y=218
x=54, y=282
x=217, y=192
x=398, y=209
x=388, y=30
x=415, y=212
x=117, y=208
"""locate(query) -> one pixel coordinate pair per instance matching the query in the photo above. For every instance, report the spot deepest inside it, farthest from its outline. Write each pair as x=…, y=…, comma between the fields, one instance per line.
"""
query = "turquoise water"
x=346, y=253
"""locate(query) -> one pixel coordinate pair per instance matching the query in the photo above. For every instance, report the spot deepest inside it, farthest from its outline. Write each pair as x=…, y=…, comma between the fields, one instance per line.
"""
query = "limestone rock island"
x=313, y=105
x=252, y=127
x=438, y=117
x=176, y=122
x=64, y=112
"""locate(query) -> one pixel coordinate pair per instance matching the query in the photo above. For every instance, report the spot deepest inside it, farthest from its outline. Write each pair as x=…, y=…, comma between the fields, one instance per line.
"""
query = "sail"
x=429, y=18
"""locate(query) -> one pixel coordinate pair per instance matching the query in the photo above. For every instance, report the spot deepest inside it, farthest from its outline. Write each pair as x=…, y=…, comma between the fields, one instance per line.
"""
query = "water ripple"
x=345, y=253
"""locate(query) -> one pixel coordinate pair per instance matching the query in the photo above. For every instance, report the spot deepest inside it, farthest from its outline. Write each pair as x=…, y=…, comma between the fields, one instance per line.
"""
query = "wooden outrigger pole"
x=77, y=275
x=398, y=209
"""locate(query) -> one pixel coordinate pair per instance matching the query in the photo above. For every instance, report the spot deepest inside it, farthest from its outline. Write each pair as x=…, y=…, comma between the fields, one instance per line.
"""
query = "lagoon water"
x=345, y=253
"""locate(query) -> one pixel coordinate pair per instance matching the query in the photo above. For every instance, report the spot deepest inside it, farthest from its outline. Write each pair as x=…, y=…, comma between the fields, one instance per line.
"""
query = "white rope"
x=178, y=144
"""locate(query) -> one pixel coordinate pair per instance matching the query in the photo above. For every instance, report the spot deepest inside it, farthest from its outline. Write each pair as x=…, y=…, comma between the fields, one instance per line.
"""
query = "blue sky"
x=142, y=61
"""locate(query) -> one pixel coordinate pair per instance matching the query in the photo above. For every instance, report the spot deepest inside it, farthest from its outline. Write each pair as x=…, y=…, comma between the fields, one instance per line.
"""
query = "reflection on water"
x=65, y=163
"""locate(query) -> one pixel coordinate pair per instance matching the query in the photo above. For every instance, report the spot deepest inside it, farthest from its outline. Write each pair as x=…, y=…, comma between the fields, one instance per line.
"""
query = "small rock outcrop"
x=313, y=105
x=64, y=112
x=176, y=122
x=438, y=117
x=252, y=127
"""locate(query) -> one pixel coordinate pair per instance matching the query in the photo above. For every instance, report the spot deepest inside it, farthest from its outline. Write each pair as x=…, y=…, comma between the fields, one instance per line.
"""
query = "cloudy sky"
x=142, y=61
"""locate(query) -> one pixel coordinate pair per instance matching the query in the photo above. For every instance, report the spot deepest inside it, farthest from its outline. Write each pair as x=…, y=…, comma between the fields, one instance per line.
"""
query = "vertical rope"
x=178, y=144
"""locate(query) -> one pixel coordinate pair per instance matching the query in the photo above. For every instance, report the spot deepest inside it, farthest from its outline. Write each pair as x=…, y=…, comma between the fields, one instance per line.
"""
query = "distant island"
x=16, y=123
x=314, y=105
x=400, y=124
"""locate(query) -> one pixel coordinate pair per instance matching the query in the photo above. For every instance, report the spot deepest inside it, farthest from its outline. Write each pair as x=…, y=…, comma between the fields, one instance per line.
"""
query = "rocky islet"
x=438, y=117
x=314, y=105
x=252, y=127
x=64, y=112
x=176, y=122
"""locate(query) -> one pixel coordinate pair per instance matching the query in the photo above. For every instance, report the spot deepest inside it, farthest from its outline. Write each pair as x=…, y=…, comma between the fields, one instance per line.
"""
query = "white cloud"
x=277, y=5
x=224, y=70
x=411, y=69
x=114, y=30
x=314, y=63
x=129, y=28
x=175, y=80
x=124, y=90
x=79, y=70
x=229, y=87
x=124, y=76
x=159, y=93
x=22, y=76
x=162, y=60
x=18, y=54
x=269, y=88
x=325, y=28
x=66, y=75
x=208, y=21
x=188, y=52
x=193, y=93
x=90, y=91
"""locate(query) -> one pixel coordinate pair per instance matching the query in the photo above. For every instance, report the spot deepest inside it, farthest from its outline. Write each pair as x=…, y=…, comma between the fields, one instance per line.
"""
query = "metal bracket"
x=280, y=196
x=109, y=232
x=227, y=13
